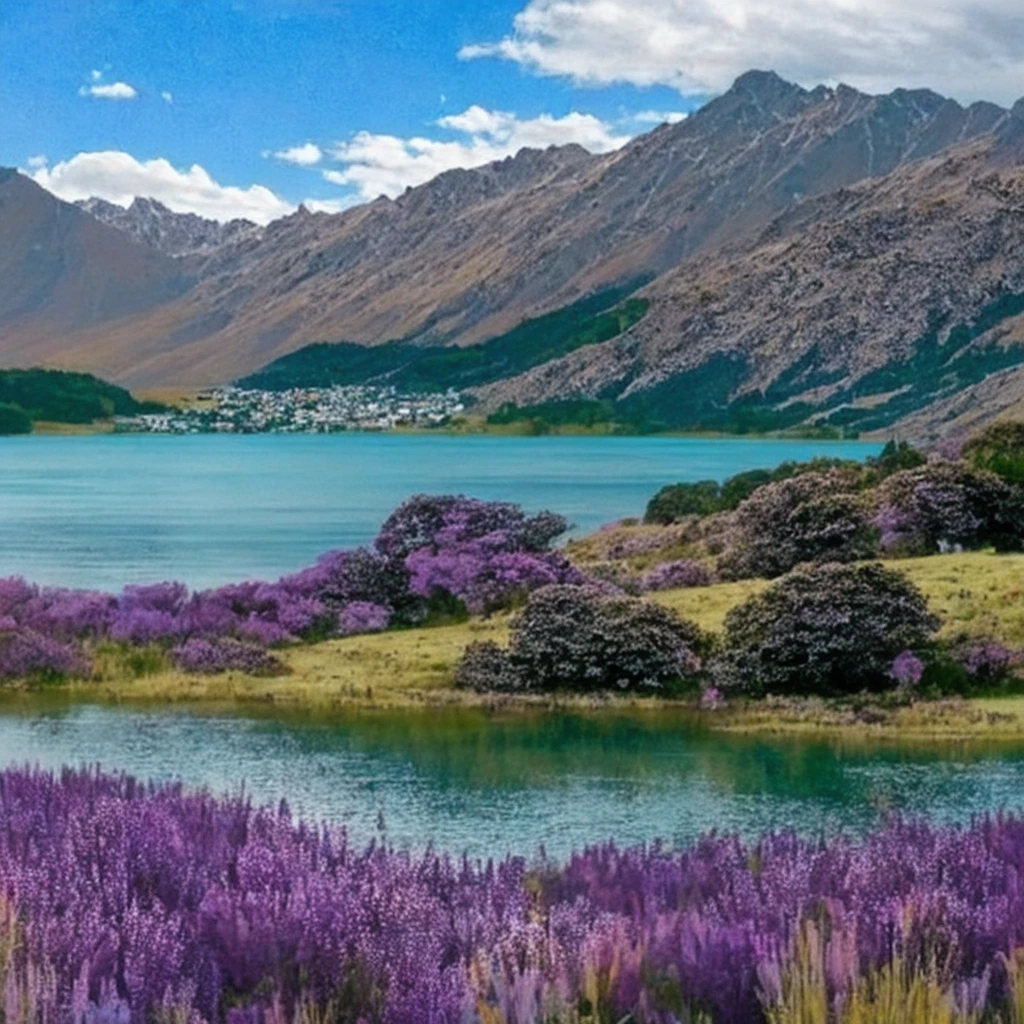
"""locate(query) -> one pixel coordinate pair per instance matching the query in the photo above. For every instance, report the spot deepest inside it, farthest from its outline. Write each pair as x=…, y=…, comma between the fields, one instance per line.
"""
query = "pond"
x=488, y=783
x=101, y=511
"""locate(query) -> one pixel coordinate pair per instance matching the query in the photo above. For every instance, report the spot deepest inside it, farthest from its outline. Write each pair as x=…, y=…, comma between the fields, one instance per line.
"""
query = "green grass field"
x=979, y=594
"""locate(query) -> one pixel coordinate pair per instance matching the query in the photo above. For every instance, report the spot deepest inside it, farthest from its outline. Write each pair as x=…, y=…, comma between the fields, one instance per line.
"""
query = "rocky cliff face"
x=803, y=248
x=173, y=234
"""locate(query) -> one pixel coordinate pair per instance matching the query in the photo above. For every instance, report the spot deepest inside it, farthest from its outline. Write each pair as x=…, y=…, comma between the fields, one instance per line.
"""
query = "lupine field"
x=122, y=902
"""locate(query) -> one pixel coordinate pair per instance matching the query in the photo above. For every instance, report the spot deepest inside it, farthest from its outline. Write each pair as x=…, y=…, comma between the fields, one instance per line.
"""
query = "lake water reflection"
x=490, y=783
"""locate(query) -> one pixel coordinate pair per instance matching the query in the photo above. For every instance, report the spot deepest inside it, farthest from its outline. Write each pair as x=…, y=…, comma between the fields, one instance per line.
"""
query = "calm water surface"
x=102, y=511
x=470, y=781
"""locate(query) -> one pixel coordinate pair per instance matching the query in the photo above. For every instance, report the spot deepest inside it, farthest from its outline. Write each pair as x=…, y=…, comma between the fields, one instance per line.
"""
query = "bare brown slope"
x=473, y=253
x=832, y=290
x=61, y=270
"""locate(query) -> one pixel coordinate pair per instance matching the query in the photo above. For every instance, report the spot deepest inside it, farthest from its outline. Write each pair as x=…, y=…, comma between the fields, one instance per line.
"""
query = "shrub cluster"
x=584, y=639
x=678, y=501
x=224, y=654
x=678, y=575
x=998, y=449
x=813, y=517
x=947, y=506
x=477, y=555
x=829, y=629
x=763, y=524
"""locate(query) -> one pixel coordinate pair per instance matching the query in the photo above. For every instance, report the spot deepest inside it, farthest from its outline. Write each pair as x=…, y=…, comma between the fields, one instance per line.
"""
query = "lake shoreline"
x=412, y=668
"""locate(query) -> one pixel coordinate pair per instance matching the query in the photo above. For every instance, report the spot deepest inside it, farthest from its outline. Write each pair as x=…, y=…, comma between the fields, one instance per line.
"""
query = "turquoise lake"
x=489, y=783
x=102, y=511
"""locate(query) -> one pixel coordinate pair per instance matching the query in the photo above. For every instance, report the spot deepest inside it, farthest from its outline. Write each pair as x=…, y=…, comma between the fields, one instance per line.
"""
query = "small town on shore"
x=233, y=410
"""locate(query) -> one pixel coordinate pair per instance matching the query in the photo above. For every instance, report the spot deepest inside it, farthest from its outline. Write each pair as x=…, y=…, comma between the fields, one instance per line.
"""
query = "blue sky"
x=120, y=97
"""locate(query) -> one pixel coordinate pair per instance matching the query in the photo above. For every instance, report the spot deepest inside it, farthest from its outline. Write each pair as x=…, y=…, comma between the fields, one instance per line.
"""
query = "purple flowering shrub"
x=26, y=654
x=224, y=654
x=363, y=617
x=485, y=554
x=907, y=670
x=676, y=575
x=944, y=507
x=826, y=630
x=815, y=517
x=583, y=639
x=131, y=903
x=480, y=555
x=443, y=521
x=973, y=663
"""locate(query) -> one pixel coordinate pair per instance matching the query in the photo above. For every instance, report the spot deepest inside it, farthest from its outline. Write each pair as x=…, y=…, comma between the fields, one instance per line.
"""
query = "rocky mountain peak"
x=149, y=221
x=767, y=87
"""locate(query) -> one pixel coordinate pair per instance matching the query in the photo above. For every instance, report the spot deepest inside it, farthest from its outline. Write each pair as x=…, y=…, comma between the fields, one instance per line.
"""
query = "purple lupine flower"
x=712, y=699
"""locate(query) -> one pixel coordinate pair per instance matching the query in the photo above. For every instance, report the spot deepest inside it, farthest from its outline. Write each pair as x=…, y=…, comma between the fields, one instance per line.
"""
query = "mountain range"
x=783, y=256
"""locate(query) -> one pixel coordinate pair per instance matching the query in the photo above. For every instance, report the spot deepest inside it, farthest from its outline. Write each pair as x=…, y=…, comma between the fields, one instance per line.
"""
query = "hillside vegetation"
x=410, y=367
x=57, y=396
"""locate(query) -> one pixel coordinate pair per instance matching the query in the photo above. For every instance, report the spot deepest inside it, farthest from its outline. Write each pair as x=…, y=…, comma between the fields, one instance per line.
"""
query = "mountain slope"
x=61, y=271
x=809, y=253
x=865, y=306
x=473, y=253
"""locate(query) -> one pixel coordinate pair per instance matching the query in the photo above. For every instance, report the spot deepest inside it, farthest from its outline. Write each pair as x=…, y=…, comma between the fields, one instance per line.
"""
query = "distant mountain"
x=63, y=273
x=174, y=234
x=809, y=255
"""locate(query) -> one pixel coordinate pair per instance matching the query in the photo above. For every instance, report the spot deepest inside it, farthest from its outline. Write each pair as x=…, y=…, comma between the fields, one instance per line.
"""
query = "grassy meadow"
x=975, y=594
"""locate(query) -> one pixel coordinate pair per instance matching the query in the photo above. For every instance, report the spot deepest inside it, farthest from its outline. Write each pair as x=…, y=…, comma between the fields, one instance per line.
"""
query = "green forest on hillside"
x=59, y=396
x=415, y=368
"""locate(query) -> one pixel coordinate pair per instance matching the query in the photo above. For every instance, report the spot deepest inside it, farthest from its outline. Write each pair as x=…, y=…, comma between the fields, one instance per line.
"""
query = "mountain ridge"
x=732, y=214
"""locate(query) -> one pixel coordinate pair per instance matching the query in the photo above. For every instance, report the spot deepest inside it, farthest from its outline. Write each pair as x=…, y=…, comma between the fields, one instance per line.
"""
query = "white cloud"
x=386, y=164
x=119, y=178
x=971, y=48
x=109, y=91
x=659, y=117
x=95, y=75
x=306, y=155
x=35, y=162
x=329, y=205
x=167, y=97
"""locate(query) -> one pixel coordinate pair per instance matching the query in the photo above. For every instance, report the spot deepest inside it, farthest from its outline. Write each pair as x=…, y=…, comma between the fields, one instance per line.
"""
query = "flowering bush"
x=684, y=572
x=986, y=660
x=26, y=654
x=363, y=617
x=128, y=903
x=210, y=657
x=945, y=506
x=813, y=517
x=449, y=520
x=489, y=668
x=581, y=638
x=830, y=629
x=907, y=670
x=481, y=555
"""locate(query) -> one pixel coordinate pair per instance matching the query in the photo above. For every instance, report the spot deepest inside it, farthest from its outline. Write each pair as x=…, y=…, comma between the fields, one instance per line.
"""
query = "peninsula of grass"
x=980, y=593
